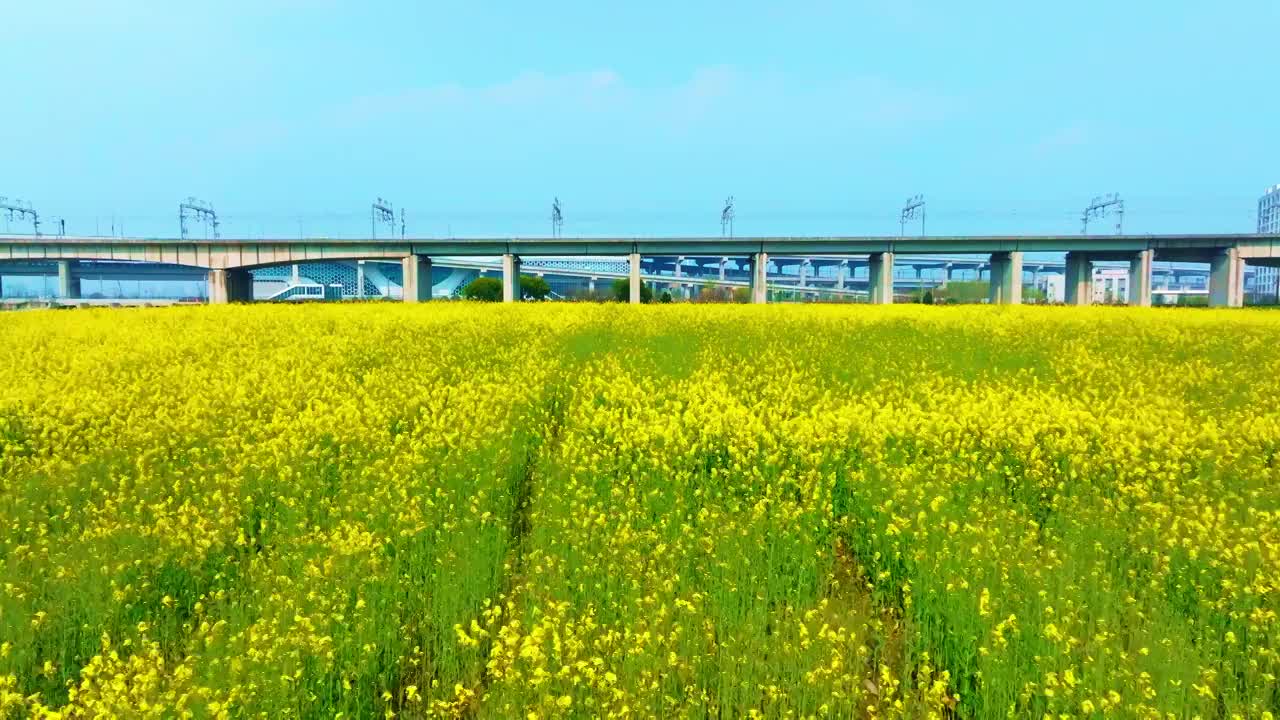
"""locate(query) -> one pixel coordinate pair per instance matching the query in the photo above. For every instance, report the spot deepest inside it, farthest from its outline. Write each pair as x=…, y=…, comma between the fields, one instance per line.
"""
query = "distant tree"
x=963, y=291
x=714, y=294
x=622, y=291
x=534, y=287
x=484, y=289
x=665, y=297
x=927, y=298
x=742, y=295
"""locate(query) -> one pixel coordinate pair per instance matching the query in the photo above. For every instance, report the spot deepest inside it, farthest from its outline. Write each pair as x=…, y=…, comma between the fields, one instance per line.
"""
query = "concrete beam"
x=633, y=284
x=1140, y=279
x=417, y=278
x=68, y=284
x=1226, y=279
x=1079, y=282
x=230, y=286
x=1006, y=278
x=880, y=272
x=511, y=278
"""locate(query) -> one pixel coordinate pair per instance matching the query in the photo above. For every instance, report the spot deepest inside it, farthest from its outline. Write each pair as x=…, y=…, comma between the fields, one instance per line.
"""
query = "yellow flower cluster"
x=604, y=511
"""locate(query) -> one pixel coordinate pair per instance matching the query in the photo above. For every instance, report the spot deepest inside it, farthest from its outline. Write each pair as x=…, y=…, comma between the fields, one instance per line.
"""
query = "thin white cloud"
x=1064, y=138
x=721, y=99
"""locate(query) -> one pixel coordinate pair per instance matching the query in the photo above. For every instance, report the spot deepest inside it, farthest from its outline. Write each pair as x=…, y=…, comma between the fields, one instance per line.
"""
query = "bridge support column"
x=760, y=278
x=880, y=277
x=1226, y=279
x=68, y=285
x=1079, y=282
x=633, y=283
x=1006, y=278
x=511, y=278
x=841, y=270
x=1140, y=278
x=360, y=279
x=230, y=286
x=417, y=278
x=591, y=285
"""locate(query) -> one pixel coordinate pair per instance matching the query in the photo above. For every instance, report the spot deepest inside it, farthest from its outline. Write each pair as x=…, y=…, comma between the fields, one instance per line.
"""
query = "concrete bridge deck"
x=229, y=260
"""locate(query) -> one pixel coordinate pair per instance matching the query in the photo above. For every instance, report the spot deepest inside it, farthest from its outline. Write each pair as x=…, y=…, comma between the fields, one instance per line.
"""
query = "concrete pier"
x=68, y=285
x=633, y=284
x=417, y=278
x=760, y=278
x=1006, y=278
x=230, y=286
x=1226, y=279
x=1140, y=278
x=511, y=278
x=880, y=270
x=841, y=271
x=1079, y=280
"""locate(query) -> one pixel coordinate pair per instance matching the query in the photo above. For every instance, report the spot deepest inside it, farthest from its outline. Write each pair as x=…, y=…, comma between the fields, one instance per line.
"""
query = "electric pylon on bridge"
x=913, y=209
x=557, y=219
x=382, y=212
x=200, y=212
x=726, y=218
x=1102, y=206
x=21, y=210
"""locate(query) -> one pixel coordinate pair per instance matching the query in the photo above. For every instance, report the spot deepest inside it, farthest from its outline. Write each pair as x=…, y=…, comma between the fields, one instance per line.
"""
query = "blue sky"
x=820, y=117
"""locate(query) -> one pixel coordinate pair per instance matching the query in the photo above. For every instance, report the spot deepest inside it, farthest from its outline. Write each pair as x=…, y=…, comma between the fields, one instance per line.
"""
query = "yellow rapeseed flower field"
x=545, y=511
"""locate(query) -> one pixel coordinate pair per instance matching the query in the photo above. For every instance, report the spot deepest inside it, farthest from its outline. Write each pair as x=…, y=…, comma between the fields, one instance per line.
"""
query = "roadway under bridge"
x=863, y=267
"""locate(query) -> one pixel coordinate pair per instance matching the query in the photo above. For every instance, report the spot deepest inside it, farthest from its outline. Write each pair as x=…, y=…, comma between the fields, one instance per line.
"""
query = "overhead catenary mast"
x=913, y=209
x=198, y=211
x=382, y=212
x=557, y=219
x=1102, y=206
x=726, y=218
x=20, y=210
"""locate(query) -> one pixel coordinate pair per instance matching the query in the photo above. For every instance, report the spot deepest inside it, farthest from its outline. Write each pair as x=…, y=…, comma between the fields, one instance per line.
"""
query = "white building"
x=1054, y=287
x=1266, y=280
x=1269, y=210
x=1110, y=285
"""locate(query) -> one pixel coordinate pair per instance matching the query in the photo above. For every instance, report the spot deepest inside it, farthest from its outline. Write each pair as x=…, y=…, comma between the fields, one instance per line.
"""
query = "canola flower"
x=602, y=511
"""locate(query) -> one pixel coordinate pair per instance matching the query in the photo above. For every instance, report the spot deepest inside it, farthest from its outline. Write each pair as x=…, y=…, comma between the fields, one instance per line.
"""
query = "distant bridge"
x=228, y=262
